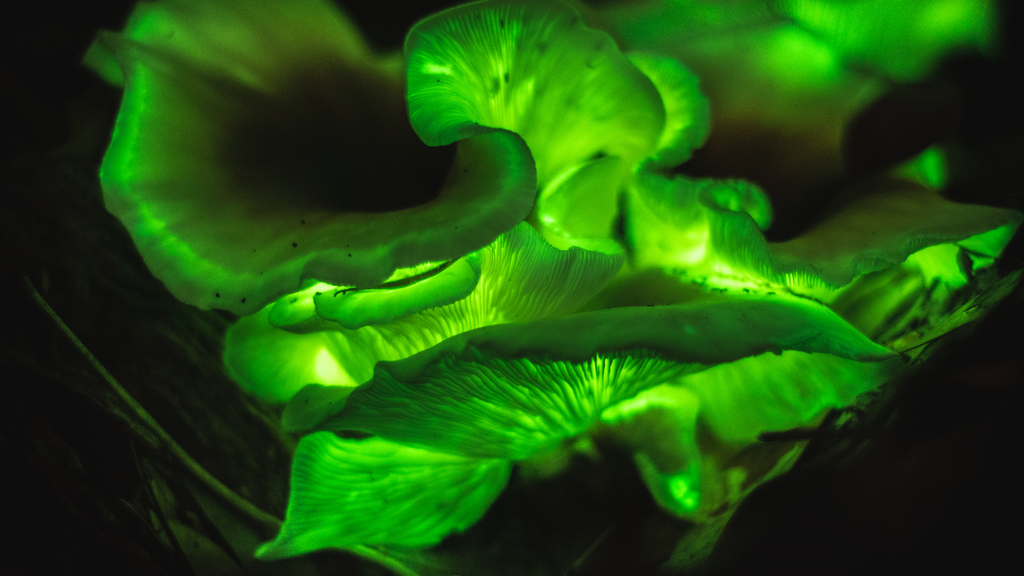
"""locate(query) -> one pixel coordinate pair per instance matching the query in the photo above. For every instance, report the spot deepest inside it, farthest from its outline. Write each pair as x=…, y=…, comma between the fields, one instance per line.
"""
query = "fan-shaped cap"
x=710, y=225
x=534, y=68
x=260, y=146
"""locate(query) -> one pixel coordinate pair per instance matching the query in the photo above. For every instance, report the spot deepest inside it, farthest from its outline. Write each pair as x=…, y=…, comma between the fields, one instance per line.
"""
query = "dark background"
x=929, y=483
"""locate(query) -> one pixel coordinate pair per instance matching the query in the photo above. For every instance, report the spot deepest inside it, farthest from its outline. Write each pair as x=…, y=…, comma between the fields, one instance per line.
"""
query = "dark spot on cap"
x=303, y=221
x=502, y=24
x=506, y=77
x=243, y=300
x=217, y=294
x=295, y=244
x=349, y=255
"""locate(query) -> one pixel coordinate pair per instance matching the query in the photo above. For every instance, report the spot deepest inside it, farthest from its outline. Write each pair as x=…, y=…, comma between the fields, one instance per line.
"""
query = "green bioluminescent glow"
x=903, y=39
x=928, y=168
x=349, y=492
x=434, y=315
x=224, y=163
x=521, y=278
x=535, y=69
x=876, y=231
x=534, y=389
x=685, y=490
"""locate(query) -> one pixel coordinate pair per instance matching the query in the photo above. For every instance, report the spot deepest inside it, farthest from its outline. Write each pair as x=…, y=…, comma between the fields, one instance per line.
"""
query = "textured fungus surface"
x=477, y=265
x=247, y=163
x=522, y=278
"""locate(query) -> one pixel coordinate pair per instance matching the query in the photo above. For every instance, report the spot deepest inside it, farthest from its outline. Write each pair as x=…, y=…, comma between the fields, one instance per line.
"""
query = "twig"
x=143, y=424
x=182, y=557
x=382, y=559
x=578, y=564
x=793, y=434
x=148, y=430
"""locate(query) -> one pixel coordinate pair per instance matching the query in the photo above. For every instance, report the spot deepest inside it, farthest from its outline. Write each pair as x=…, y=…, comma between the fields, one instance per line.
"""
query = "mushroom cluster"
x=483, y=252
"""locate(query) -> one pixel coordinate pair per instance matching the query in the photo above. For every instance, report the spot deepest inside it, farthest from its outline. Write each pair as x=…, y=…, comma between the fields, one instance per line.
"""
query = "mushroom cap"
x=260, y=147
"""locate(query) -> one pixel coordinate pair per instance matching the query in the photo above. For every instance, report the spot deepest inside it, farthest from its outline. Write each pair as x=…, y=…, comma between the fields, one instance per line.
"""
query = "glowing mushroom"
x=261, y=146
x=449, y=421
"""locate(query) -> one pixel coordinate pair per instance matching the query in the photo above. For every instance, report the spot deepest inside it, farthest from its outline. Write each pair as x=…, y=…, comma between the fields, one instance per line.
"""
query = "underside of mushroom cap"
x=533, y=68
x=532, y=386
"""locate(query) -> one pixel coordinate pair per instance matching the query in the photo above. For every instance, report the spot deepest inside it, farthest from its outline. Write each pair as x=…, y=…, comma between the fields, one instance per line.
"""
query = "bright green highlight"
x=928, y=168
x=325, y=367
x=939, y=263
x=273, y=364
x=521, y=278
x=350, y=492
x=684, y=490
x=903, y=39
x=532, y=68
